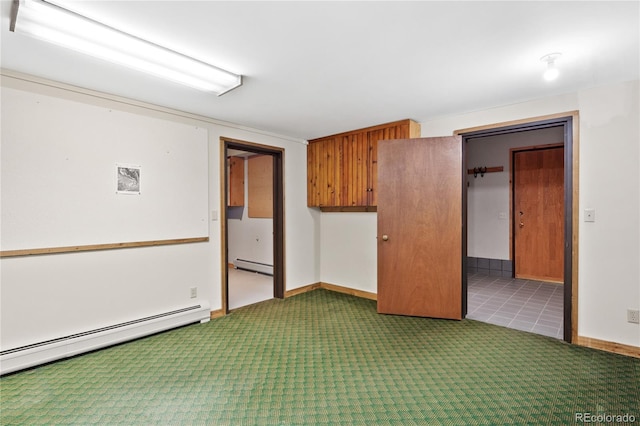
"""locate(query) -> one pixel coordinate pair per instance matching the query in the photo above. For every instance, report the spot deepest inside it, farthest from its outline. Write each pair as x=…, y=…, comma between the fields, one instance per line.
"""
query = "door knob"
x=385, y=238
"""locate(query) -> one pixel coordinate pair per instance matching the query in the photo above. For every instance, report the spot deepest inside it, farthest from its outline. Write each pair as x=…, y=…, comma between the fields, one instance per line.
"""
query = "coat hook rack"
x=482, y=170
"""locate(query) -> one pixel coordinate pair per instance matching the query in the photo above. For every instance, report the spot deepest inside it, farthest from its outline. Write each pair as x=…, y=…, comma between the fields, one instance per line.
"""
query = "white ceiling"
x=317, y=68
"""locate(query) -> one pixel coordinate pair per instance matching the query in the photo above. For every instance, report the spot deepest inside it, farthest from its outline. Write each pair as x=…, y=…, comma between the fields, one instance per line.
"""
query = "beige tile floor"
x=247, y=288
x=525, y=305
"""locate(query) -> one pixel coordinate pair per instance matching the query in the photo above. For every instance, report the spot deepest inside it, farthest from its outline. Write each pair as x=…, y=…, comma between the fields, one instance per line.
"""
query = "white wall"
x=488, y=196
x=75, y=178
x=249, y=238
x=609, y=249
x=349, y=249
x=48, y=296
x=610, y=182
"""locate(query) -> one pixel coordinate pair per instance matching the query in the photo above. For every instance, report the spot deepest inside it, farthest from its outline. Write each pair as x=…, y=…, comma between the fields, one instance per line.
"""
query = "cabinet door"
x=331, y=178
x=392, y=132
x=324, y=173
x=260, y=186
x=235, y=196
x=313, y=174
x=354, y=174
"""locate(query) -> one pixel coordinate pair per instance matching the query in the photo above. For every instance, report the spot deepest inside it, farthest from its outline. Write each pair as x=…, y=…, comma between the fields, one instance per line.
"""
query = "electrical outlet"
x=633, y=316
x=194, y=292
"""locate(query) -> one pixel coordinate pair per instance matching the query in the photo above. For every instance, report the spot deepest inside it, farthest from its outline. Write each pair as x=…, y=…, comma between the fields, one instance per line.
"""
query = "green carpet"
x=327, y=358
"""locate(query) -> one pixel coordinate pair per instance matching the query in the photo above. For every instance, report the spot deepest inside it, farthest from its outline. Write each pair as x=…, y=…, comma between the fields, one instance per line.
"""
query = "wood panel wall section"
x=260, y=176
x=236, y=182
x=342, y=169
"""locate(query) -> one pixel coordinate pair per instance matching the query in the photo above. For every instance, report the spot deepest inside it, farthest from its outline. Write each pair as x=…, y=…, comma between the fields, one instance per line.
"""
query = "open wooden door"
x=420, y=233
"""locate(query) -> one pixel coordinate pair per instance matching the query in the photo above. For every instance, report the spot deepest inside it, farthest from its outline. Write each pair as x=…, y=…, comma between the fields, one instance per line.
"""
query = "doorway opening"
x=253, y=223
x=482, y=256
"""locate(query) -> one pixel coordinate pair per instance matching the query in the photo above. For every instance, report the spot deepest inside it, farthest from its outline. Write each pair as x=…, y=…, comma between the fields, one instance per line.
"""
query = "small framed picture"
x=127, y=179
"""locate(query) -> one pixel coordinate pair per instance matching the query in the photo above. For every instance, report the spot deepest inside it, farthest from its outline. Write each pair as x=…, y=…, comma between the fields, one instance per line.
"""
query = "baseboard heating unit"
x=39, y=353
x=250, y=265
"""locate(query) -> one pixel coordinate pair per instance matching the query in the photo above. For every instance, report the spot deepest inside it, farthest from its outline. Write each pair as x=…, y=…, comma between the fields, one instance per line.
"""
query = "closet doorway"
x=565, y=126
x=253, y=223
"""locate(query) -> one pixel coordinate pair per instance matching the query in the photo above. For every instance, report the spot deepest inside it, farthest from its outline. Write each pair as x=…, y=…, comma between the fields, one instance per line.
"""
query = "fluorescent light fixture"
x=50, y=22
x=551, y=73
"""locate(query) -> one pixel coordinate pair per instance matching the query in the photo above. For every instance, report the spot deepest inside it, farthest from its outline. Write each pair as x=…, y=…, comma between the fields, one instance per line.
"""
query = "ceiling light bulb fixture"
x=551, y=73
x=47, y=21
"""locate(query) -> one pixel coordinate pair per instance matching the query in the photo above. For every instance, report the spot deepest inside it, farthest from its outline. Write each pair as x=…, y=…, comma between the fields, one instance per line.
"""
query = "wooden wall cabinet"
x=260, y=186
x=342, y=169
x=235, y=197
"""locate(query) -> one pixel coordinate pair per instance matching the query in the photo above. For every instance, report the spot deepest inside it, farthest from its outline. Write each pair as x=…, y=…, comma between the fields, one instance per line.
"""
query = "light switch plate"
x=589, y=215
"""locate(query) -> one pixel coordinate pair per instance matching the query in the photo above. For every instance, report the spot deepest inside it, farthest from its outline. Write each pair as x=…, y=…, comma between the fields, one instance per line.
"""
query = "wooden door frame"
x=277, y=154
x=569, y=122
